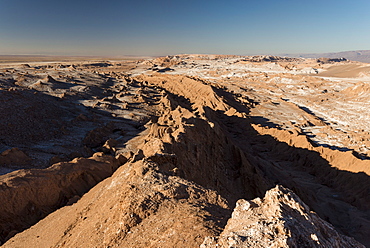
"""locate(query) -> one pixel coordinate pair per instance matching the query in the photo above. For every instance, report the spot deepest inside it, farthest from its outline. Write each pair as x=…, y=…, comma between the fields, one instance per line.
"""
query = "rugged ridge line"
x=198, y=156
x=33, y=194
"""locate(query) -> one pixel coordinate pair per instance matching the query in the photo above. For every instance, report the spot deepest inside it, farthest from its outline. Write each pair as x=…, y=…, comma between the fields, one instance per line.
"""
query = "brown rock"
x=14, y=157
x=39, y=192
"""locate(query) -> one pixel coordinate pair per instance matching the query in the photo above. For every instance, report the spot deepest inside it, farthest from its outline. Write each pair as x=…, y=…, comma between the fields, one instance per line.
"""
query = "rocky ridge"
x=176, y=180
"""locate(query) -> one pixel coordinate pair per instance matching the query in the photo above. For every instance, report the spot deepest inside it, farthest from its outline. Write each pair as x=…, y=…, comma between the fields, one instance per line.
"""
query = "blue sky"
x=149, y=27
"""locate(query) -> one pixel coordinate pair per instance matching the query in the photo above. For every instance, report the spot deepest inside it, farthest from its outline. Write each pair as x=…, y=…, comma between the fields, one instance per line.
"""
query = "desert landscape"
x=184, y=151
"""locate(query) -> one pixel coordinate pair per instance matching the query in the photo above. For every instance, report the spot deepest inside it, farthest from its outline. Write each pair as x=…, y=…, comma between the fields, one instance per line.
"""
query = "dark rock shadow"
x=43, y=124
x=234, y=159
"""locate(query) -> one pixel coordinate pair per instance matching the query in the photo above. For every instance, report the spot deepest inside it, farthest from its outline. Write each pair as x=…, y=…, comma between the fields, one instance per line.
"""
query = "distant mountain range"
x=360, y=55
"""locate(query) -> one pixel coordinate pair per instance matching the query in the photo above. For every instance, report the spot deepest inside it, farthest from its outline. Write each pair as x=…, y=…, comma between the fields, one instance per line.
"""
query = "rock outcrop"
x=29, y=195
x=280, y=219
x=330, y=60
x=14, y=157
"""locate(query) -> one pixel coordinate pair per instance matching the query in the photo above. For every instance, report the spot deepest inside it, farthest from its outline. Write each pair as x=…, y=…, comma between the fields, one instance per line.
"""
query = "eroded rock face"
x=29, y=195
x=219, y=132
x=137, y=207
x=280, y=219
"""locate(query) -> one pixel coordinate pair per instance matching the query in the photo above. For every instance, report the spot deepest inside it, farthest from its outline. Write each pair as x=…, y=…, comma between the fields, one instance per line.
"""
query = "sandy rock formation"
x=14, y=157
x=330, y=60
x=137, y=207
x=270, y=58
x=280, y=219
x=29, y=195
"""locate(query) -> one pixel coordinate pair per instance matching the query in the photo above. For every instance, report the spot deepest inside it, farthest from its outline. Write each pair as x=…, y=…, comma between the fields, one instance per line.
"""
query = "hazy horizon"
x=154, y=28
x=170, y=54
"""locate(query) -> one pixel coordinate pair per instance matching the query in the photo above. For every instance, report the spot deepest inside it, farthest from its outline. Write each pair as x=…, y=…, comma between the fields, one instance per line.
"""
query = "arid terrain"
x=359, y=55
x=184, y=151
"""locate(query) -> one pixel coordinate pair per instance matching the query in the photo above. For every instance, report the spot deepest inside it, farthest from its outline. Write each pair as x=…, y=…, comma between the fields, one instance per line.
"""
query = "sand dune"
x=347, y=71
